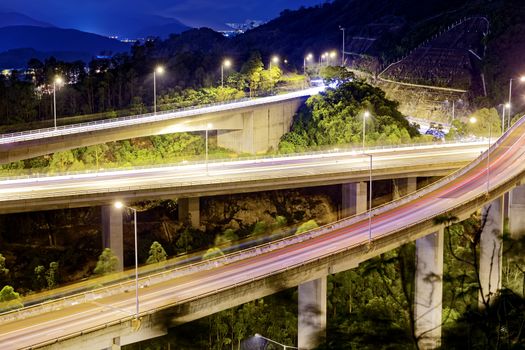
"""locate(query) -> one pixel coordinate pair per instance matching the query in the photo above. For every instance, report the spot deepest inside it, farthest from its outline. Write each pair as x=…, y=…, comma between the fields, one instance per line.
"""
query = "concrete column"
x=312, y=313
x=112, y=236
x=490, y=251
x=404, y=186
x=116, y=344
x=517, y=212
x=354, y=198
x=189, y=210
x=429, y=290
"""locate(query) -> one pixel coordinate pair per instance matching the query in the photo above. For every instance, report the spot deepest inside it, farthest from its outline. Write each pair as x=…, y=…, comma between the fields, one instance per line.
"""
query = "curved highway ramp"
x=207, y=287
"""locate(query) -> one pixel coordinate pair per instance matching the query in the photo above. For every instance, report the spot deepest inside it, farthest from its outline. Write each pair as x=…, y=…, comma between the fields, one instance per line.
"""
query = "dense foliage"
x=335, y=117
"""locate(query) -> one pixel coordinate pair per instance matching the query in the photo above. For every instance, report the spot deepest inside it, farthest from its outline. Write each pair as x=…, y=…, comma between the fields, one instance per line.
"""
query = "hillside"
x=8, y=19
x=56, y=39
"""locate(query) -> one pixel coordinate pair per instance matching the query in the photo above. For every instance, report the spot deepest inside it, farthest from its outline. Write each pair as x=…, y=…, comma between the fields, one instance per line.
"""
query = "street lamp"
x=343, y=51
x=208, y=125
x=120, y=205
x=321, y=58
x=327, y=57
x=257, y=335
x=57, y=81
x=521, y=79
x=473, y=120
x=274, y=60
x=365, y=116
x=157, y=70
x=370, y=201
x=307, y=58
x=503, y=108
x=333, y=54
x=226, y=63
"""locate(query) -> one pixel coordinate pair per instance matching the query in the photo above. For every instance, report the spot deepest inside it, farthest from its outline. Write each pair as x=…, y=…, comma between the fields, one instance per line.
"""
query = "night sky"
x=109, y=17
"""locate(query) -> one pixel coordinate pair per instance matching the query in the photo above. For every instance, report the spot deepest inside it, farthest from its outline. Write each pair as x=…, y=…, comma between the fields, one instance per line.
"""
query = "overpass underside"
x=244, y=130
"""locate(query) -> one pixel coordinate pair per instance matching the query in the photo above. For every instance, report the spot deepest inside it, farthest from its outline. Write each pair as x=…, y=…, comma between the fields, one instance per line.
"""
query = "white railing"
x=150, y=117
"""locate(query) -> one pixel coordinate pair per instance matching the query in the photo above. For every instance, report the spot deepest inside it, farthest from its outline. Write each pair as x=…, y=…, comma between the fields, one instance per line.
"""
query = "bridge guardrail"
x=283, y=156
x=243, y=254
x=150, y=117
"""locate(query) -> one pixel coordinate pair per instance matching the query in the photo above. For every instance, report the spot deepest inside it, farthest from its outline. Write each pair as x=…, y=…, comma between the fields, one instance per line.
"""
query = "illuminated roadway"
x=459, y=192
x=86, y=127
x=226, y=177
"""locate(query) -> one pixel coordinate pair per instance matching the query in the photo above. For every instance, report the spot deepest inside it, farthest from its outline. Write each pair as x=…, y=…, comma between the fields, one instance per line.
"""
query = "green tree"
x=335, y=117
x=156, y=253
x=107, y=262
x=9, y=299
x=212, y=253
x=52, y=275
x=40, y=280
x=307, y=226
x=484, y=121
x=228, y=235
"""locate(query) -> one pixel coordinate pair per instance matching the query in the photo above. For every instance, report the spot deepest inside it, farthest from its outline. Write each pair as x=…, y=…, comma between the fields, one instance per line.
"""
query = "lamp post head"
x=366, y=114
x=507, y=105
x=473, y=120
x=118, y=205
x=275, y=59
x=333, y=54
x=257, y=335
x=309, y=56
x=522, y=78
x=59, y=80
x=159, y=69
x=227, y=63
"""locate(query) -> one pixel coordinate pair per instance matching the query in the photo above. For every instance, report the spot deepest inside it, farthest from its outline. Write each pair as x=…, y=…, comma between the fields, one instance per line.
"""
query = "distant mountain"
x=162, y=30
x=18, y=58
x=8, y=19
x=77, y=44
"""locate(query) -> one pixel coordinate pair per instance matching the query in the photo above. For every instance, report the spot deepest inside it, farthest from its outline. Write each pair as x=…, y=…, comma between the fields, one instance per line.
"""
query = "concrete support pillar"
x=354, y=198
x=312, y=313
x=429, y=290
x=189, y=210
x=490, y=251
x=112, y=233
x=517, y=212
x=404, y=186
x=116, y=344
x=259, y=129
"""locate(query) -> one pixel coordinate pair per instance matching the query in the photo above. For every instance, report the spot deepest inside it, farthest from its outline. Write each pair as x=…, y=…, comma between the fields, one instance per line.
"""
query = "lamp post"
x=274, y=60
x=521, y=79
x=157, y=70
x=473, y=120
x=208, y=125
x=365, y=115
x=333, y=54
x=120, y=205
x=343, y=51
x=370, y=201
x=57, y=81
x=307, y=58
x=506, y=106
x=327, y=57
x=226, y=63
x=257, y=335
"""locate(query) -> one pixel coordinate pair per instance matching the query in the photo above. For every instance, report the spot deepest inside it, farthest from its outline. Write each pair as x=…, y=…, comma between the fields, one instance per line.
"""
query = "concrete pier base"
x=517, y=212
x=189, y=210
x=112, y=232
x=312, y=313
x=490, y=251
x=429, y=290
x=402, y=187
x=354, y=198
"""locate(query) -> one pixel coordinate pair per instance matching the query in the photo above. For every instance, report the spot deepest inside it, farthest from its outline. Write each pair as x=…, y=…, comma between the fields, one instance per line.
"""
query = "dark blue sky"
x=110, y=16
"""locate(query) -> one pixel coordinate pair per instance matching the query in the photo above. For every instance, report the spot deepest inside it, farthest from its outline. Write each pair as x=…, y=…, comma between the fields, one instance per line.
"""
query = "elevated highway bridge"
x=97, y=320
